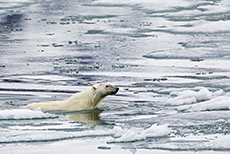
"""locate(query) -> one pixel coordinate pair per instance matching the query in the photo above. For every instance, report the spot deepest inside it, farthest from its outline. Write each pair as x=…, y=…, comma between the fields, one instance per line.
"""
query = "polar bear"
x=85, y=100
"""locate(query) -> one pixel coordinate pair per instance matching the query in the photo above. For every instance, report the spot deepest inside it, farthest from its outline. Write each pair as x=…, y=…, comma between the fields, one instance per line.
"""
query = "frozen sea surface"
x=170, y=59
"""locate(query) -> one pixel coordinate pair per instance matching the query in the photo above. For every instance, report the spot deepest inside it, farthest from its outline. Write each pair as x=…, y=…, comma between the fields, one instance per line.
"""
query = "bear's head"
x=105, y=89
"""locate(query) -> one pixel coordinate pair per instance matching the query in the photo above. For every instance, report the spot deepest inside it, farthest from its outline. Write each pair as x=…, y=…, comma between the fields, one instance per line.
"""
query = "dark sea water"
x=170, y=59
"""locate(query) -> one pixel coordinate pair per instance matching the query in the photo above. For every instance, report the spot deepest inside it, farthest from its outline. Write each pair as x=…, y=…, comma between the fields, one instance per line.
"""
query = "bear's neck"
x=95, y=98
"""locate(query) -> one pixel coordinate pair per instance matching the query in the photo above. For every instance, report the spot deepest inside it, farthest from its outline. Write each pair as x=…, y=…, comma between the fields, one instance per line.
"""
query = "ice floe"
x=188, y=97
x=135, y=134
x=20, y=114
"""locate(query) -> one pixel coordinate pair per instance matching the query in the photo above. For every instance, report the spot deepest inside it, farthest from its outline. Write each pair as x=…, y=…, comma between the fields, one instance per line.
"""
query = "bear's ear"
x=94, y=88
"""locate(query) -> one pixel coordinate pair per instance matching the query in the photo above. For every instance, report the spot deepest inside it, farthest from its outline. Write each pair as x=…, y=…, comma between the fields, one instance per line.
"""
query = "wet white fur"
x=85, y=100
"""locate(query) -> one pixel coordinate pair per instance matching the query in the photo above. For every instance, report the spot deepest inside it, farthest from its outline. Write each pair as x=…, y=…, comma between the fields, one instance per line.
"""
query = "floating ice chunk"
x=135, y=134
x=24, y=114
x=197, y=143
x=38, y=134
x=218, y=103
x=218, y=93
x=189, y=97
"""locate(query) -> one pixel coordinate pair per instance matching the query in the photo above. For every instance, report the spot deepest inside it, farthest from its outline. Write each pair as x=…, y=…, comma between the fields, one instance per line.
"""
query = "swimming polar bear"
x=85, y=100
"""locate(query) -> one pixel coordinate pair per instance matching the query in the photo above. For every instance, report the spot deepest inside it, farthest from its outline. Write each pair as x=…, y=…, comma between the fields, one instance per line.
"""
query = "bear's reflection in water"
x=89, y=117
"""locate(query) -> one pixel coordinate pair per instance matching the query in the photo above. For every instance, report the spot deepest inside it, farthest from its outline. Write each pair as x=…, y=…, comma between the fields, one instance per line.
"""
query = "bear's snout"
x=116, y=90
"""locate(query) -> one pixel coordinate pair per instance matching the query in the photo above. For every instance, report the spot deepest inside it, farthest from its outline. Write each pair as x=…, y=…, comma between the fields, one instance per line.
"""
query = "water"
x=169, y=59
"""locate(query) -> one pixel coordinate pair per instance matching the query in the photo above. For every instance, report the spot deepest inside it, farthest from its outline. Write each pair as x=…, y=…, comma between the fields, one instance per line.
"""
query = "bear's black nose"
x=117, y=90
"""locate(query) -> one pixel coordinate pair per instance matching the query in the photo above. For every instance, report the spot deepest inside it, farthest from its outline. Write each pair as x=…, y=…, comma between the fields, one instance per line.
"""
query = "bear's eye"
x=107, y=86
